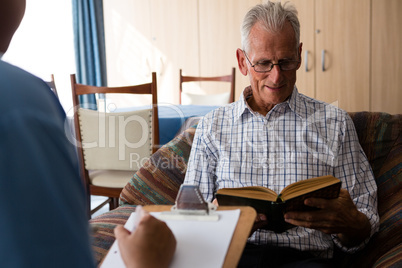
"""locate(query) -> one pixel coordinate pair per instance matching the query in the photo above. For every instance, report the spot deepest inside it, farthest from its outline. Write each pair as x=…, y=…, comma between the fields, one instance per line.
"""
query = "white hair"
x=273, y=17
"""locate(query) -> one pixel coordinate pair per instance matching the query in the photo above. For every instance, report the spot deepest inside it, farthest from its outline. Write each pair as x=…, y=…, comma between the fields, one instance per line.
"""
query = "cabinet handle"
x=306, y=60
x=323, y=60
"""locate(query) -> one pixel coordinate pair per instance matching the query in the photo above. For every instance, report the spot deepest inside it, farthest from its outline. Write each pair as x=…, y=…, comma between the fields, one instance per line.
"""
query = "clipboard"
x=240, y=235
x=198, y=227
x=246, y=217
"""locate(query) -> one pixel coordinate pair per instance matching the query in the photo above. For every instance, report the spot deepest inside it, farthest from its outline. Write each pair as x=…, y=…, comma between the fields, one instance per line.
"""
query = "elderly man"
x=43, y=222
x=274, y=136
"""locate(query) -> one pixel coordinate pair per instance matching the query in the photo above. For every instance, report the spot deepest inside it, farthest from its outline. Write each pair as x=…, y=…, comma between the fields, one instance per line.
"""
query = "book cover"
x=274, y=205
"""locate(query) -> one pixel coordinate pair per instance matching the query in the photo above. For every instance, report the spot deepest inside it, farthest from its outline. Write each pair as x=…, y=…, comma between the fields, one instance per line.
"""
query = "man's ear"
x=241, y=61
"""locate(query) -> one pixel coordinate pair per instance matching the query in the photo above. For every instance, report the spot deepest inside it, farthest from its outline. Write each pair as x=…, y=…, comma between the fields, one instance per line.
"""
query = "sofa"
x=158, y=182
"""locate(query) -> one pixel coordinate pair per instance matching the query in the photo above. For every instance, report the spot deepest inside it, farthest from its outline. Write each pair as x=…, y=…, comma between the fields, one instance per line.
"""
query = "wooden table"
x=240, y=235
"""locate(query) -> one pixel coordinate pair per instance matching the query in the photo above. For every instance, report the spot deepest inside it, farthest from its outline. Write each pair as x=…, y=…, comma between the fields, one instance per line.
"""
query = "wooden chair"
x=112, y=146
x=52, y=85
x=210, y=99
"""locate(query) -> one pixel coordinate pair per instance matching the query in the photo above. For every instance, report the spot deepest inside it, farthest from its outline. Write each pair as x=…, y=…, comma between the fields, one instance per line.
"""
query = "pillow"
x=210, y=99
x=159, y=179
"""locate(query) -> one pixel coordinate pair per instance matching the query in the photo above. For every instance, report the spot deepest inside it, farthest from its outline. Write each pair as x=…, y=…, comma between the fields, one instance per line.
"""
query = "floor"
x=96, y=200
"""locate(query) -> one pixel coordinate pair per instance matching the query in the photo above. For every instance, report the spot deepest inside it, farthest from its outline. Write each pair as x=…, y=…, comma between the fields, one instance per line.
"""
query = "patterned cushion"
x=159, y=180
x=381, y=139
x=392, y=258
x=102, y=229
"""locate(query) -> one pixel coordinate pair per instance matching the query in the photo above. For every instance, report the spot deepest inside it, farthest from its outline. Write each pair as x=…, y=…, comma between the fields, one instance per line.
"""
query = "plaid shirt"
x=298, y=139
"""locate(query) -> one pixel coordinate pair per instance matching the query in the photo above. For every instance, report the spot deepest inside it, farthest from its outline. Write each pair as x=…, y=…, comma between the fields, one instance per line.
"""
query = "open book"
x=274, y=205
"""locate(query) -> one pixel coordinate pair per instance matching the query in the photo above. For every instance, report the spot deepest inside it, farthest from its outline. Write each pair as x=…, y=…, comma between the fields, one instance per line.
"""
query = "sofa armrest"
x=392, y=258
x=381, y=139
x=159, y=179
x=102, y=229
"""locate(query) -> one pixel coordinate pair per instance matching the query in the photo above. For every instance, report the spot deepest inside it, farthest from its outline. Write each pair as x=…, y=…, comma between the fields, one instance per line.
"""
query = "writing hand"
x=151, y=244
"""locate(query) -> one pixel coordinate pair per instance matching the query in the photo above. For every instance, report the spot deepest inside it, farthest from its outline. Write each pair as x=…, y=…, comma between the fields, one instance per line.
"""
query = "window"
x=44, y=44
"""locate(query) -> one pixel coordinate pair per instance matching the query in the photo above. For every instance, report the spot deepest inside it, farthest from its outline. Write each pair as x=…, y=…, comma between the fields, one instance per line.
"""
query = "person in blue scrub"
x=43, y=220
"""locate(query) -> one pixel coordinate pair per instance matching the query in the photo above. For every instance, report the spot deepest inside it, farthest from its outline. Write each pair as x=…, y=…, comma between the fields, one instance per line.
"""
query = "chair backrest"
x=52, y=85
x=115, y=141
x=108, y=140
x=210, y=99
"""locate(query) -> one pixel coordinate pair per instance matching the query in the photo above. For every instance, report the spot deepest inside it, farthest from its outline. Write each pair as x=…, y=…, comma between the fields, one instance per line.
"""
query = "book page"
x=199, y=243
x=306, y=186
x=254, y=192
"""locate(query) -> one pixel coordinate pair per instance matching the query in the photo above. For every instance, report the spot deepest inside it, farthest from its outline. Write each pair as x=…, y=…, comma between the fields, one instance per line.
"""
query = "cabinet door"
x=150, y=36
x=386, y=52
x=129, y=50
x=343, y=53
x=306, y=74
x=176, y=44
x=219, y=26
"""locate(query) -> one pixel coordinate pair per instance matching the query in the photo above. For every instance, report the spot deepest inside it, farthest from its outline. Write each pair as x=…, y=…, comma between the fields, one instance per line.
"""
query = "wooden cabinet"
x=220, y=23
x=128, y=41
x=343, y=47
x=200, y=37
x=386, y=56
x=175, y=40
x=306, y=74
x=351, y=49
x=151, y=36
x=336, y=52
x=351, y=53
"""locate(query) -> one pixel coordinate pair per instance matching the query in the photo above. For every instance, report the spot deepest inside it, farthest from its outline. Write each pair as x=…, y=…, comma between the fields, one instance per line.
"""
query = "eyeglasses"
x=266, y=66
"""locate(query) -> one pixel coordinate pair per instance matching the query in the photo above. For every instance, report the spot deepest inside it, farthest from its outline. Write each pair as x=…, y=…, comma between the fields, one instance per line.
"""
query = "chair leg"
x=107, y=201
x=114, y=203
x=88, y=205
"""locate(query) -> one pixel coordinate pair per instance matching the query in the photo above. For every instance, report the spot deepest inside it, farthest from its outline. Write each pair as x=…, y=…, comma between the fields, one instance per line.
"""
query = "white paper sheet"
x=199, y=243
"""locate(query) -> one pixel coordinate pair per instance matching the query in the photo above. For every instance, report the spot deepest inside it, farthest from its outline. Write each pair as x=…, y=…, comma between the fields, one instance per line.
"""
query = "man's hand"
x=152, y=244
x=260, y=221
x=336, y=216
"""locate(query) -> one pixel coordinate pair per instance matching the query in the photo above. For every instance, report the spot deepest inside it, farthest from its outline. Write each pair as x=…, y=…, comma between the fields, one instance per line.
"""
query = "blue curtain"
x=89, y=44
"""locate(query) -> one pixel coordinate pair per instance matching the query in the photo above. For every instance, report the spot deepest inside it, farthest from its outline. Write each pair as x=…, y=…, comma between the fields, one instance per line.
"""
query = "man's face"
x=276, y=86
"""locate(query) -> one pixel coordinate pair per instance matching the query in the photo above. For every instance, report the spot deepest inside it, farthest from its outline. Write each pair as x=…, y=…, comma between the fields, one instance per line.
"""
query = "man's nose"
x=275, y=74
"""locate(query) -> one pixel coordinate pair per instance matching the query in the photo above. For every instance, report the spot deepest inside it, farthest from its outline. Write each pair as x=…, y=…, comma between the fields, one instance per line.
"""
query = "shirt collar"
x=300, y=105
x=293, y=102
x=241, y=108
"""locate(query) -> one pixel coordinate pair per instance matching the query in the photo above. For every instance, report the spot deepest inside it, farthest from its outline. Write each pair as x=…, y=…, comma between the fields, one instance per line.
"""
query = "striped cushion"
x=102, y=230
x=381, y=139
x=159, y=180
x=392, y=258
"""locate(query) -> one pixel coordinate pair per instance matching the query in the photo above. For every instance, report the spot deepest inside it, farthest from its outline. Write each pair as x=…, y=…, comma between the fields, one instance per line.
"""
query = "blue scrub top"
x=43, y=220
